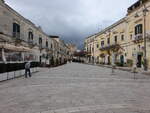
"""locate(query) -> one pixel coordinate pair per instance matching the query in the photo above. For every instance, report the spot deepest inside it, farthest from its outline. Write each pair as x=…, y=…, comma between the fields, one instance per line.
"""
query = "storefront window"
x=17, y=56
x=13, y=56
x=29, y=57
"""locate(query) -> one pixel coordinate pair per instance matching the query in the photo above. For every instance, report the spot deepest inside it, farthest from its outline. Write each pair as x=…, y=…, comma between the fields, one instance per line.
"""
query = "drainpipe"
x=145, y=52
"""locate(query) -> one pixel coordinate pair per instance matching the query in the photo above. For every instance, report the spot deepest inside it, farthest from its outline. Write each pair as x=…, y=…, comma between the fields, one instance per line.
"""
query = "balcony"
x=88, y=53
x=41, y=47
x=31, y=43
x=17, y=38
x=47, y=48
x=110, y=47
x=16, y=35
x=138, y=38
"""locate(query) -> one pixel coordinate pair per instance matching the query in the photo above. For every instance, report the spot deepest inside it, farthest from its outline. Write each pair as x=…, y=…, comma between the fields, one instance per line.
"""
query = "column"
x=3, y=55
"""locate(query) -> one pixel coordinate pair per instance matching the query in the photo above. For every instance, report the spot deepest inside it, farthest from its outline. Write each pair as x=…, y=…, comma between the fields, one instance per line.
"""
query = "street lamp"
x=94, y=40
x=113, y=63
x=145, y=10
x=93, y=50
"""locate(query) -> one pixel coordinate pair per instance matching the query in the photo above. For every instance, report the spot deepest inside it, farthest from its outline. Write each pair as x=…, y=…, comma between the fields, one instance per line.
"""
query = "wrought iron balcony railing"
x=31, y=42
x=41, y=47
x=16, y=35
x=47, y=48
x=109, y=47
x=138, y=38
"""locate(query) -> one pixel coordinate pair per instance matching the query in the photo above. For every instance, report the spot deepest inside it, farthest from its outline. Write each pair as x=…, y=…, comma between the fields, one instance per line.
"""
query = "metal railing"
x=14, y=70
x=30, y=42
x=109, y=46
x=41, y=46
x=138, y=37
x=16, y=35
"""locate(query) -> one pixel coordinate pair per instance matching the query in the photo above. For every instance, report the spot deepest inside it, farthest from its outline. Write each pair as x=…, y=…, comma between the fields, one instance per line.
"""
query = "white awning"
x=15, y=48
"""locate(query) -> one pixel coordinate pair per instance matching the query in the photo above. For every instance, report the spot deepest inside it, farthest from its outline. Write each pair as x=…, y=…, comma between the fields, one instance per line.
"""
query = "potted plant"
x=143, y=64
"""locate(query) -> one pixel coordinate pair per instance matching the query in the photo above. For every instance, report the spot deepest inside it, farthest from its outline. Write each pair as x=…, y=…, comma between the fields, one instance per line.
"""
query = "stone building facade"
x=73, y=49
x=61, y=51
x=21, y=38
x=127, y=40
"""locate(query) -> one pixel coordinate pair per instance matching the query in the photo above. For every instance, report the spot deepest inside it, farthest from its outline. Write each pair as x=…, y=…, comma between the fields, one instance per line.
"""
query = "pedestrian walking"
x=27, y=70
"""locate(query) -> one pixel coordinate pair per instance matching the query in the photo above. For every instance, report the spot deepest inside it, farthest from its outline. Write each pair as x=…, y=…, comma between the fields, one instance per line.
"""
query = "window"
x=115, y=39
x=90, y=48
x=138, y=29
x=30, y=36
x=40, y=41
x=51, y=46
x=97, y=45
x=47, y=44
x=102, y=43
x=122, y=37
x=139, y=46
x=125, y=54
x=131, y=36
x=108, y=41
x=16, y=30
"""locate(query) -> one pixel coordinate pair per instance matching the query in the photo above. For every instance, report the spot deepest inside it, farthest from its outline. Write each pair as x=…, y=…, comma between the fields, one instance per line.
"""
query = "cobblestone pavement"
x=76, y=88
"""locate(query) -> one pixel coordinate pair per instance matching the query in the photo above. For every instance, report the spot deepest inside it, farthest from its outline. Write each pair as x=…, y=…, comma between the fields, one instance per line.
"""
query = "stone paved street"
x=76, y=88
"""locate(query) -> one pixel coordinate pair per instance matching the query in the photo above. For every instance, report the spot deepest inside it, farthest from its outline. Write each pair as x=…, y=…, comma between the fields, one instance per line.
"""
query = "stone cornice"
x=24, y=19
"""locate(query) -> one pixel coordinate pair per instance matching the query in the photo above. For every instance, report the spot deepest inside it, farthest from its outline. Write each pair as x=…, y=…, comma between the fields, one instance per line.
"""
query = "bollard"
x=113, y=70
x=36, y=69
x=20, y=73
x=7, y=75
x=135, y=71
x=14, y=74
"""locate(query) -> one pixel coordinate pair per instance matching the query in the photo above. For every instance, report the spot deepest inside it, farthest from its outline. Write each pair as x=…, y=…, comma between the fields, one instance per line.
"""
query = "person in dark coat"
x=27, y=69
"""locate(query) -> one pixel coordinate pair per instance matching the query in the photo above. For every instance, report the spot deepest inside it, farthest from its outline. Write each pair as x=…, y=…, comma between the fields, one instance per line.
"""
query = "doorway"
x=139, y=61
x=109, y=60
x=40, y=59
x=122, y=60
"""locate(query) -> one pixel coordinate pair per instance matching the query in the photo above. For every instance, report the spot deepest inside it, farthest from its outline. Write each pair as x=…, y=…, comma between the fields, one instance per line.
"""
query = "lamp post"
x=113, y=63
x=93, y=50
x=145, y=10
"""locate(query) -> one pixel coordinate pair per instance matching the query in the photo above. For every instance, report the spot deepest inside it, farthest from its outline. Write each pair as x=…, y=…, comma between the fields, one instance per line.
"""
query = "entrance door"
x=122, y=60
x=139, y=61
x=108, y=60
x=40, y=59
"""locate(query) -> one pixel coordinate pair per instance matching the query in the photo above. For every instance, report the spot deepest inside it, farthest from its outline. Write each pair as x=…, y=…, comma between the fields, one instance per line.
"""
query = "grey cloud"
x=73, y=20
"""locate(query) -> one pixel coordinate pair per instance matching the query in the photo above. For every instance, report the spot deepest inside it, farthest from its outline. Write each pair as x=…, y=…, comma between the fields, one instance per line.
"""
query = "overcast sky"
x=73, y=20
